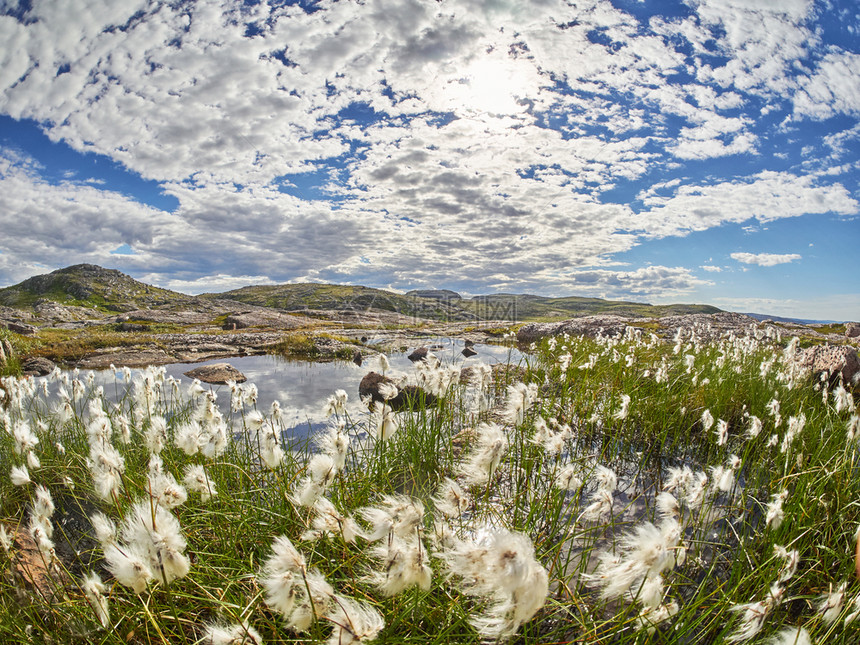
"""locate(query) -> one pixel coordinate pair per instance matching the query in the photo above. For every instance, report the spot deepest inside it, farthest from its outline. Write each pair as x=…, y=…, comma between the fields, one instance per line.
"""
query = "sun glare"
x=493, y=85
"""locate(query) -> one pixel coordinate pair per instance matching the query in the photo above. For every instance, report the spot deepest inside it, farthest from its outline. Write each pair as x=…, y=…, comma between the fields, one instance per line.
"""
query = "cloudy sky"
x=675, y=151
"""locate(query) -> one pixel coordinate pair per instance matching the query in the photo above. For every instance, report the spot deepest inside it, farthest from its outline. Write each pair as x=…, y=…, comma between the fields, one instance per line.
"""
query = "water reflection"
x=302, y=387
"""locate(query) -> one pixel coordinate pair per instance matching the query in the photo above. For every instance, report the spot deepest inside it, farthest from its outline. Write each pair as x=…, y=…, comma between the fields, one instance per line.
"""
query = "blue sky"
x=692, y=151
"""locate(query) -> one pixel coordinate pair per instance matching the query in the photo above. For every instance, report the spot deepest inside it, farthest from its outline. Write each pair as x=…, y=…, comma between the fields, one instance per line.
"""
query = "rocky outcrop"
x=832, y=360
x=164, y=317
x=217, y=373
x=133, y=327
x=706, y=326
x=852, y=330
x=53, y=312
x=136, y=357
x=409, y=397
x=19, y=328
x=585, y=326
x=37, y=366
x=262, y=318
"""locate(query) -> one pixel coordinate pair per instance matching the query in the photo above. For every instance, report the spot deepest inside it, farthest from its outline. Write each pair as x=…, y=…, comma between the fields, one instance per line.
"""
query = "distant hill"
x=88, y=285
x=336, y=297
x=443, y=304
x=436, y=294
x=798, y=321
x=529, y=307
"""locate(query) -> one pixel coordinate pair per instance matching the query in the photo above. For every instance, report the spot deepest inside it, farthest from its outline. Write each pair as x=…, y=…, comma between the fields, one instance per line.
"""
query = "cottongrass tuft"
x=830, y=605
x=521, y=396
x=94, y=590
x=404, y=562
x=483, y=461
x=790, y=561
x=328, y=521
x=451, y=500
x=299, y=595
x=197, y=481
x=104, y=528
x=396, y=515
x=645, y=553
x=5, y=539
x=238, y=634
x=152, y=547
x=791, y=636
x=354, y=622
x=321, y=471
x=753, y=615
x=775, y=514
x=650, y=617
x=500, y=566
x=19, y=476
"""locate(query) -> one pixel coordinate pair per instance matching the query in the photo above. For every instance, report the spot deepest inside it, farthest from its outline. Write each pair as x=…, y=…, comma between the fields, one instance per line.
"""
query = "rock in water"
x=37, y=366
x=217, y=374
x=409, y=397
x=419, y=354
x=468, y=351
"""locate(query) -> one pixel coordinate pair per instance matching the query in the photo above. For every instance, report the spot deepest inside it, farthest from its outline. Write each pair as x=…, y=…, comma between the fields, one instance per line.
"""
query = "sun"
x=493, y=85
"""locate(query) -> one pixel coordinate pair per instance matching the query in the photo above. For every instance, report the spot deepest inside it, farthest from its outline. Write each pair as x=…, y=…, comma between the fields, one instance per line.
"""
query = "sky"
x=698, y=151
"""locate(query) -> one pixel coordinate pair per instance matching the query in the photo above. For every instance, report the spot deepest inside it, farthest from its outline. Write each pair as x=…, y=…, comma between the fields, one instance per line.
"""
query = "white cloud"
x=833, y=88
x=766, y=196
x=711, y=268
x=765, y=259
x=548, y=108
x=209, y=284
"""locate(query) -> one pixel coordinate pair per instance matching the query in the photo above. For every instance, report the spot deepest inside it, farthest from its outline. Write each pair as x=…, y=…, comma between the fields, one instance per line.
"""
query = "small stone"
x=37, y=366
x=409, y=397
x=468, y=351
x=19, y=328
x=419, y=354
x=217, y=374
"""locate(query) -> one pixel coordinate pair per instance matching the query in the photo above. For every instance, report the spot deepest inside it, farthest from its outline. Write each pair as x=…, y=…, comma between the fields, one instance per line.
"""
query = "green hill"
x=88, y=285
x=445, y=305
x=529, y=307
x=315, y=297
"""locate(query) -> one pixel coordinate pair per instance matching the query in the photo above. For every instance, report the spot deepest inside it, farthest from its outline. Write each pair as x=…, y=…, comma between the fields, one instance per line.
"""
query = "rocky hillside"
x=90, y=286
x=528, y=307
x=443, y=304
x=344, y=298
x=87, y=287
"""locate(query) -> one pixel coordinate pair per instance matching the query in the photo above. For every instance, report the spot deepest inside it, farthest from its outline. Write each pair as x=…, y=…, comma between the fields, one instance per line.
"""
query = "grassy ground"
x=614, y=491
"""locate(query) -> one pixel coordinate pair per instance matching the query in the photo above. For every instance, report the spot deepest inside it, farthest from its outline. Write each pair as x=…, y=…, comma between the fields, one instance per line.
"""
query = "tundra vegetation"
x=611, y=490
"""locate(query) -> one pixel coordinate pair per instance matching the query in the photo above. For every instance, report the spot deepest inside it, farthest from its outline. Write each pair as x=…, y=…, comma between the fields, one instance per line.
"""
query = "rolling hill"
x=91, y=286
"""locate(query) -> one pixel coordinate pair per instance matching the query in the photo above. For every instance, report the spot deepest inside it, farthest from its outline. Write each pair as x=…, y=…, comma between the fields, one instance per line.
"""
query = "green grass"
x=579, y=383
x=21, y=346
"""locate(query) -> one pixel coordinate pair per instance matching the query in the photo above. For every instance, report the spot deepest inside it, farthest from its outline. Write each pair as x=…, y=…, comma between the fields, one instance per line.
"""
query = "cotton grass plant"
x=614, y=490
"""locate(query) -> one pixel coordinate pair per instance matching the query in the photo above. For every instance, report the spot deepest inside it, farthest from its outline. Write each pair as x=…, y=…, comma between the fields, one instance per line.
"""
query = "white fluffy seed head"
x=236, y=634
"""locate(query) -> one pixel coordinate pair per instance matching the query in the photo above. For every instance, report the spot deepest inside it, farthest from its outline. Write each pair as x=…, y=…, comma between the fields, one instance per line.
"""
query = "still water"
x=302, y=387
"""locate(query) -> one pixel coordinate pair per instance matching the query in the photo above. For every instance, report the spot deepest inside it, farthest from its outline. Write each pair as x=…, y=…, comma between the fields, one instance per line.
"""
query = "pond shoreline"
x=87, y=349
